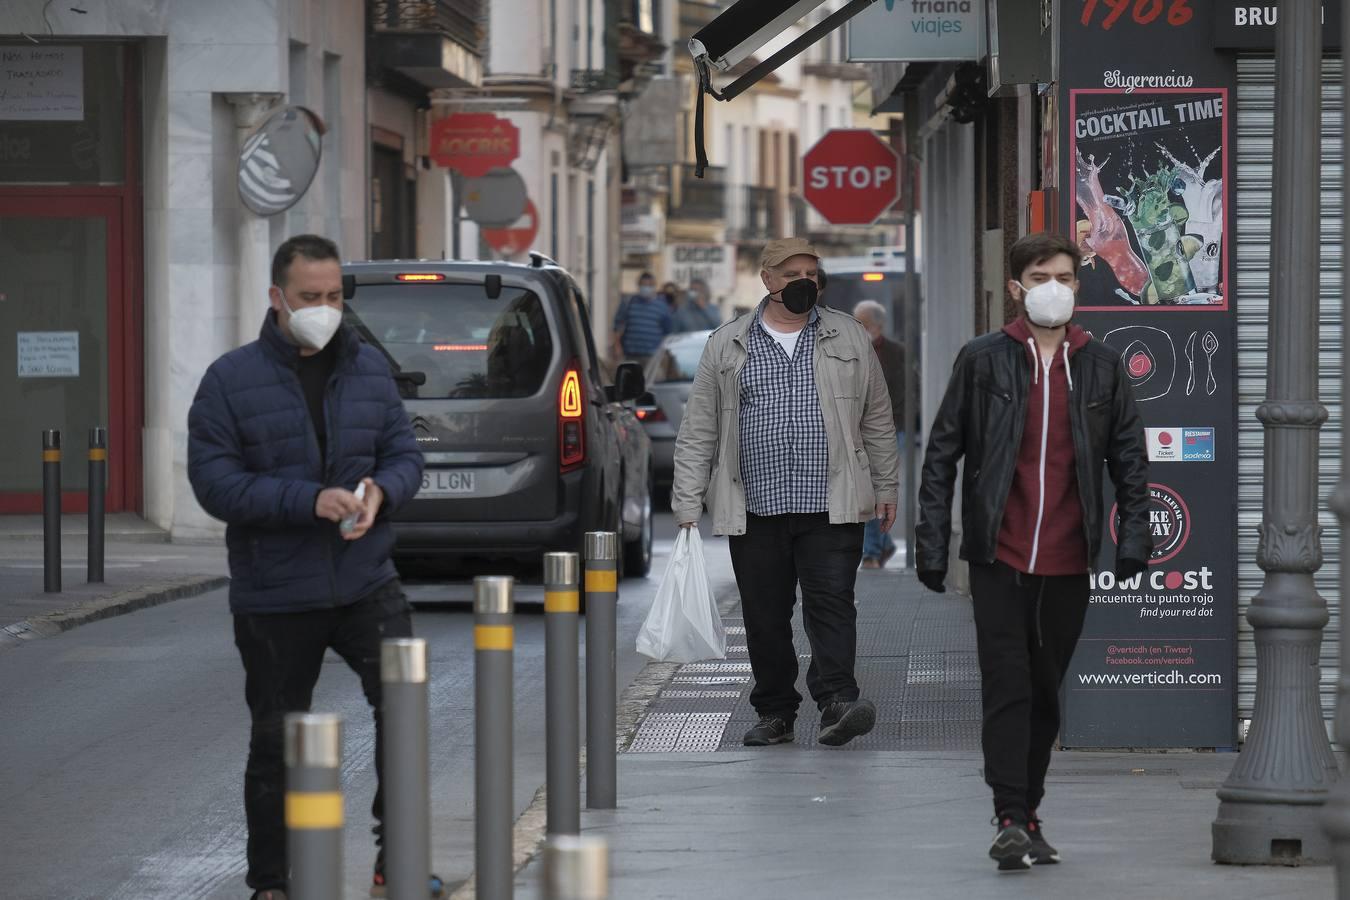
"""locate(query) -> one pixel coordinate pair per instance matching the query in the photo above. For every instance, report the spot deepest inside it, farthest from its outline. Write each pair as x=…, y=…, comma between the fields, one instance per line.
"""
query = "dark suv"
x=526, y=447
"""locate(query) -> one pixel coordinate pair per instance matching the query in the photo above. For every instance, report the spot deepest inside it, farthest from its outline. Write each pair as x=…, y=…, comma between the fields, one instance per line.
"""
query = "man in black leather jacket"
x=1035, y=409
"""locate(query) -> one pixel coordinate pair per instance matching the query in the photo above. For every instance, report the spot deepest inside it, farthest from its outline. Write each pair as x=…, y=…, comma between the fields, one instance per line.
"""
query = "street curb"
x=531, y=829
x=116, y=604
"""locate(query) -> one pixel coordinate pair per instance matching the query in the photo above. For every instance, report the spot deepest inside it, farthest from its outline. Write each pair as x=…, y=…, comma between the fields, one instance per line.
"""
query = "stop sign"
x=852, y=176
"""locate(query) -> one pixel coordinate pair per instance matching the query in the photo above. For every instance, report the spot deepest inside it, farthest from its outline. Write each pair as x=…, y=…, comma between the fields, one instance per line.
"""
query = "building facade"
x=129, y=262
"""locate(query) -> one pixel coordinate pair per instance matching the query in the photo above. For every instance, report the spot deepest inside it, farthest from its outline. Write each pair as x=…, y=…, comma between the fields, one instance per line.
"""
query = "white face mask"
x=313, y=326
x=1049, y=305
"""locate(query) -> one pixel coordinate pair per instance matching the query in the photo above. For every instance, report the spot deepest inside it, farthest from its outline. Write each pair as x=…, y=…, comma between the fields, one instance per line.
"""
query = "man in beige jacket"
x=788, y=438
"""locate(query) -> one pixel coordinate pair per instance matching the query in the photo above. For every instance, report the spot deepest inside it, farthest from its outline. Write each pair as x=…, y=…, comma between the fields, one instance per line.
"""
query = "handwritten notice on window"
x=49, y=354
x=41, y=84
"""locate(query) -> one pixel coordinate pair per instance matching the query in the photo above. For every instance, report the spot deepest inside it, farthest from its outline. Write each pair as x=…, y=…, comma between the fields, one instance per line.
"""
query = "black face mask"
x=799, y=295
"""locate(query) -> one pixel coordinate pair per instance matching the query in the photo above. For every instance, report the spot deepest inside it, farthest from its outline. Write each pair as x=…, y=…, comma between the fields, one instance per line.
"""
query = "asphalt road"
x=123, y=746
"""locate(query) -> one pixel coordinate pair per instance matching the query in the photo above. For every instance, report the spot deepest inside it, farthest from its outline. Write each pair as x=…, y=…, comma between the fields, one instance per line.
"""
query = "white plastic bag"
x=683, y=624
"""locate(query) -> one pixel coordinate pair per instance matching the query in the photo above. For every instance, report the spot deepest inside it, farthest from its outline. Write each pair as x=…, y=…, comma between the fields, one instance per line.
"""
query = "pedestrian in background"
x=670, y=292
x=1036, y=410
x=787, y=436
x=878, y=545
x=640, y=323
x=281, y=433
x=696, y=311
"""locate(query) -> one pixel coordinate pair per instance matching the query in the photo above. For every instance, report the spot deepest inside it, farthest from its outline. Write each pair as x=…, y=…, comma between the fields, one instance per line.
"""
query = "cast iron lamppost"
x=1268, y=806
x=1336, y=816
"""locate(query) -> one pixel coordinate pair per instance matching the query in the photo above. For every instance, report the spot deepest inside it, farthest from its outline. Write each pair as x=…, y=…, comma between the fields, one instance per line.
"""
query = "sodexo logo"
x=1169, y=521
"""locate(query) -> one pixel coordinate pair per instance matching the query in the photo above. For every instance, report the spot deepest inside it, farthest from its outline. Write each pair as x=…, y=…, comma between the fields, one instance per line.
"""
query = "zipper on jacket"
x=328, y=454
x=1045, y=439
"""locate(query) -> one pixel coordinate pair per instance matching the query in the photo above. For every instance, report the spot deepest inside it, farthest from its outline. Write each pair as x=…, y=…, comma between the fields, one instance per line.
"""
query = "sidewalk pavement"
x=141, y=568
x=903, y=812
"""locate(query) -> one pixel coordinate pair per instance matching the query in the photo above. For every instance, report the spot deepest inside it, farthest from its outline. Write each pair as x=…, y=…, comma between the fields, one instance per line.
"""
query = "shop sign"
x=714, y=264
x=41, y=83
x=474, y=143
x=917, y=31
x=1145, y=169
x=1251, y=26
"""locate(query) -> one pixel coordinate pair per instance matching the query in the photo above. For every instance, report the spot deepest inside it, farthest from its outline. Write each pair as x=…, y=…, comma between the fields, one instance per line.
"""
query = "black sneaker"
x=269, y=894
x=1042, y=854
x=843, y=720
x=1012, y=845
x=379, y=888
x=769, y=730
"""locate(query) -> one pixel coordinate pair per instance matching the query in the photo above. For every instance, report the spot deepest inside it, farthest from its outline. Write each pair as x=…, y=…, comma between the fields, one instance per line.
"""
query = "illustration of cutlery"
x=1190, y=362
x=1210, y=344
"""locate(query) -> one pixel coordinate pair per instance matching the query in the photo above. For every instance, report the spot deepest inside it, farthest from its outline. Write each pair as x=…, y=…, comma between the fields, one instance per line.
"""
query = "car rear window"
x=466, y=344
x=677, y=360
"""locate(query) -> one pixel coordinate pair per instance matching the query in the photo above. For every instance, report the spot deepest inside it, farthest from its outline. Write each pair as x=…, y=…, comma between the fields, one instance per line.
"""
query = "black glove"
x=933, y=580
x=1126, y=569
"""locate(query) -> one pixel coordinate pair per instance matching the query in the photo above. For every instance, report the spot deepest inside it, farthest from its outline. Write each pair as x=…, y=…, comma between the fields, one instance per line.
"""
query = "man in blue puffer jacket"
x=281, y=434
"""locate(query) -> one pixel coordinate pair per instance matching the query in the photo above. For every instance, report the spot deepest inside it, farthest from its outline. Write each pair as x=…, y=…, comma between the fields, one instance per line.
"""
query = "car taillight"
x=650, y=414
x=571, y=426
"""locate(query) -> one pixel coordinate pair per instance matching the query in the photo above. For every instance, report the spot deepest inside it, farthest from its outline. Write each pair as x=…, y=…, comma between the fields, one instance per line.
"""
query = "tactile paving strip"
x=679, y=733
x=916, y=661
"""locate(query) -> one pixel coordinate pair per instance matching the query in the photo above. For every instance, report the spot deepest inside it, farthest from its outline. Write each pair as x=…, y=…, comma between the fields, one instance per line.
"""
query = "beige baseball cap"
x=785, y=248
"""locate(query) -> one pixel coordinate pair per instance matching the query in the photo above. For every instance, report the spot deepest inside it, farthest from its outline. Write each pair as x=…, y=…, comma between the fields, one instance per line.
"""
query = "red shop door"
x=69, y=346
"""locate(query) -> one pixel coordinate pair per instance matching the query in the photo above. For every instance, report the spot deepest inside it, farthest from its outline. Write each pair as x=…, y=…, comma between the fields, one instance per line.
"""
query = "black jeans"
x=775, y=554
x=282, y=655
x=1026, y=627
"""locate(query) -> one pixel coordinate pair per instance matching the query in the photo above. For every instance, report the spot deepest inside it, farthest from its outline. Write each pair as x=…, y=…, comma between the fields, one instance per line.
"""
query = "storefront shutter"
x=1255, y=127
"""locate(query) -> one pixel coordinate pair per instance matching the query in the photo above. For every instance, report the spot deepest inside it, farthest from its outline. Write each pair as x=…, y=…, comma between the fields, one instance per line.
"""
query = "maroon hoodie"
x=1042, y=530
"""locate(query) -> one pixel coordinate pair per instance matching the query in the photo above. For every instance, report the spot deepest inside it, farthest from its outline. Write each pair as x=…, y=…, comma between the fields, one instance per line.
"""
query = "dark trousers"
x=775, y=554
x=282, y=655
x=1026, y=627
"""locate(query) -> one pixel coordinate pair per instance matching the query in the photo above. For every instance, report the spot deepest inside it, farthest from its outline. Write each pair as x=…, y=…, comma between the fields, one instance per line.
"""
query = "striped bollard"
x=494, y=643
x=51, y=511
x=407, y=768
x=602, y=597
x=562, y=718
x=98, y=482
x=576, y=868
x=314, y=805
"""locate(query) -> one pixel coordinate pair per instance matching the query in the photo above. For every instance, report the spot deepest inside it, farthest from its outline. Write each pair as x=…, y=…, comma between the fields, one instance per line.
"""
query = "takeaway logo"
x=1169, y=521
x=1180, y=444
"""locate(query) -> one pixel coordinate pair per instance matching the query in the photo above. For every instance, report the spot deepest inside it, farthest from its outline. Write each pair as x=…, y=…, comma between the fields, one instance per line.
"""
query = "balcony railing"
x=702, y=198
x=757, y=215
x=457, y=19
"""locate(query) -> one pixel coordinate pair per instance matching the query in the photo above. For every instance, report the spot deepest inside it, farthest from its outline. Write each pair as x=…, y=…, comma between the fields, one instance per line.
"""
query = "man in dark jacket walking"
x=299, y=442
x=1035, y=409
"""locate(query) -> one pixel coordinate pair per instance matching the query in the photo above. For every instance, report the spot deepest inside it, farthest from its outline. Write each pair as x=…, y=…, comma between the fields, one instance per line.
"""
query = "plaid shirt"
x=785, y=455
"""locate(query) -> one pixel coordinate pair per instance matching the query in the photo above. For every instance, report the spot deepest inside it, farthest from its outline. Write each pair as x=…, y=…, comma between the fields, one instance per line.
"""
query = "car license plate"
x=445, y=483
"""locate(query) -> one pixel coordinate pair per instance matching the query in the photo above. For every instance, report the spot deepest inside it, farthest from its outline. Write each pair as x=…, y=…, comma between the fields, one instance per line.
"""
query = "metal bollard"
x=576, y=868
x=51, y=511
x=562, y=690
x=407, y=767
x=494, y=760
x=98, y=484
x=314, y=805
x=602, y=699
